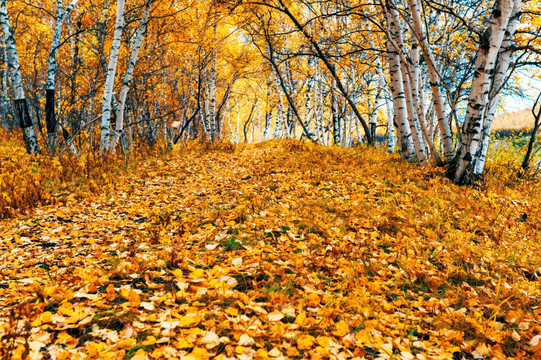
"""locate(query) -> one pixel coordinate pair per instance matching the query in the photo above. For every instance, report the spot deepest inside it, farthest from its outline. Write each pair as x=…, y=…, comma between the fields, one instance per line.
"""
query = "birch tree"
x=110, y=78
x=501, y=72
x=52, y=69
x=491, y=40
x=397, y=89
x=20, y=103
x=419, y=32
x=139, y=36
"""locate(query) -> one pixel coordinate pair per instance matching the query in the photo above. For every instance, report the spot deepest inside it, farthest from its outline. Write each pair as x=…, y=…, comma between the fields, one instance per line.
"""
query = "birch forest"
x=270, y=179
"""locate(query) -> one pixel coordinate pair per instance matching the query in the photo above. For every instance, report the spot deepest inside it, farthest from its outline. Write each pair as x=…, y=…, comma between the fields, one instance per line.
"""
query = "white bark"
x=280, y=112
x=110, y=78
x=139, y=36
x=52, y=69
x=212, y=110
x=417, y=99
x=500, y=75
x=407, y=86
x=20, y=103
x=237, y=137
x=61, y=14
x=388, y=106
x=491, y=42
x=447, y=140
x=337, y=138
x=390, y=126
x=229, y=122
x=397, y=89
x=413, y=118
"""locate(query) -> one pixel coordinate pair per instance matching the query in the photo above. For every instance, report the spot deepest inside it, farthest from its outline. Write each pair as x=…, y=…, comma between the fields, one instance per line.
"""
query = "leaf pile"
x=29, y=180
x=280, y=250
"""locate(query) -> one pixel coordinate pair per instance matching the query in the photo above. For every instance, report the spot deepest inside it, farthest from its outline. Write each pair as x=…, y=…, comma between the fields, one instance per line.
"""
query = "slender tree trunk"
x=4, y=116
x=536, y=112
x=6, y=111
x=399, y=97
x=237, y=138
x=20, y=103
x=413, y=119
x=373, y=118
x=110, y=78
x=337, y=137
x=408, y=86
x=388, y=106
x=212, y=90
x=491, y=41
x=500, y=75
x=268, y=115
x=50, y=113
x=446, y=138
x=140, y=34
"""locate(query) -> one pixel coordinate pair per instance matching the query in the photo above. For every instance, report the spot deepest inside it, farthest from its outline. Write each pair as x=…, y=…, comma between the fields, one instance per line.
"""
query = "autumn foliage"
x=278, y=250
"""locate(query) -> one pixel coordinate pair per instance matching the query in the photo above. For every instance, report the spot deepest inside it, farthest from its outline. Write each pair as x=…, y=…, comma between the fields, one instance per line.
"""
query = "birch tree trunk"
x=390, y=126
x=500, y=74
x=373, y=114
x=4, y=109
x=50, y=112
x=212, y=90
x=237, y=137
x=20, y=103
x=408, y=85
x=399, y=97
x=280, y=112
x=413, y=119
x=490, y=44
x=446, y=138
x=388, y=106
x=139, y=36
x=110, y=78
x=337, y=136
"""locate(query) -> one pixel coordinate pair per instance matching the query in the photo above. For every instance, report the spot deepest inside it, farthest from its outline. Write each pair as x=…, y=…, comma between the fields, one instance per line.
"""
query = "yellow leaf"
x=197, y=274
x=126, y=343
x=134, y=299
x=198, y=354
x=189, y=321
x=64, y=355
x=232, y=311
x=323, y=341
x=149, y=340
x=342, y=329
x=94, y=349
x=77, y=315
x=111, y=293
x=322, y=351
x=184, y=343
x=66, y=339
x=363, y=336
x=65, y=309
x=262, y=354
x=140, y=355
x=301, y=319
x=305, y=341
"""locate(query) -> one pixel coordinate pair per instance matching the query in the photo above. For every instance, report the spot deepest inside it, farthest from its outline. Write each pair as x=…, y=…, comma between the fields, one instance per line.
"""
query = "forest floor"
x=278, y=250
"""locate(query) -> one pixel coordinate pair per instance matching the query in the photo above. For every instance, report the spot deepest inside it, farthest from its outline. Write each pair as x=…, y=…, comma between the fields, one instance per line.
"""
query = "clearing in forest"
x=279, y=250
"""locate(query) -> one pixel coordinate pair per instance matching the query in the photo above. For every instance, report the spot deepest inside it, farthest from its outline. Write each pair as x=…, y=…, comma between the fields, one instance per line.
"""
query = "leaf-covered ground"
x=282, y=250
